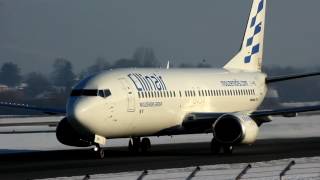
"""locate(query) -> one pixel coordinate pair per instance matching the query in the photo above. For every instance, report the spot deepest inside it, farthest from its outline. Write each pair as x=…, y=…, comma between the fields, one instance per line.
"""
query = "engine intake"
x=67, y=135
x=235, y=128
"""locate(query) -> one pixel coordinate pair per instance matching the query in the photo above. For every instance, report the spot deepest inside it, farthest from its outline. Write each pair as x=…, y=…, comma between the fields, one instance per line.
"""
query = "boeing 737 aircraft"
x=138, y=103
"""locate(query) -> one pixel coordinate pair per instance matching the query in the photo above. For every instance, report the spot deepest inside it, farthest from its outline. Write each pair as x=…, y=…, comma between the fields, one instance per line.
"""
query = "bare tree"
x=10, y=74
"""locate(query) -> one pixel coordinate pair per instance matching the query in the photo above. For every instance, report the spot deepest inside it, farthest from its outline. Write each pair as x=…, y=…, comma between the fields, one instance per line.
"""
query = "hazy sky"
x=34, y=32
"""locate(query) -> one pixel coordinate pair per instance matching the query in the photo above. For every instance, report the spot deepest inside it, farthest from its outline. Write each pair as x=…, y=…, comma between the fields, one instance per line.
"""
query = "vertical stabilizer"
x=250, y=55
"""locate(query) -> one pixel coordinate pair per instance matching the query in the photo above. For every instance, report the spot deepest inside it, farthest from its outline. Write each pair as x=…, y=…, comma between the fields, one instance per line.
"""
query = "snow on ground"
x=304, y=168
x=306, y=126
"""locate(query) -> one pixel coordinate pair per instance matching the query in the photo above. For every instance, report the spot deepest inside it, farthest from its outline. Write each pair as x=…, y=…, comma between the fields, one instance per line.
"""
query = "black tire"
x=145, y=145
x=215, y=147
x=227, y=149
x=100, y=153
x=130, y=145
x=134, y=145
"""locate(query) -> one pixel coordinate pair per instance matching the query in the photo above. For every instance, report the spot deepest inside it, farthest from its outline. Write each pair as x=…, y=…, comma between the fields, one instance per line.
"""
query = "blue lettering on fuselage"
x=147, y=83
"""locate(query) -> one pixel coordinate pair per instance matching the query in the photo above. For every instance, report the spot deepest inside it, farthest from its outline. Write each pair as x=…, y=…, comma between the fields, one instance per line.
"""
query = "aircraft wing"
x=285, y=111
x=28, y=124
x=49, y=111
x=20, y=125
x=12, y=122
x=203, y=121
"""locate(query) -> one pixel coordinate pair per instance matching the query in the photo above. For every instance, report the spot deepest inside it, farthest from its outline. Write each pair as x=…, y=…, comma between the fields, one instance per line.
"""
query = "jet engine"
x=235, y=128
x=67, y=135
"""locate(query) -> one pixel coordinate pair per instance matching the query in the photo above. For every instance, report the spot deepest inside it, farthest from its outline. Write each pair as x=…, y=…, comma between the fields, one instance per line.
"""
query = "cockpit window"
x=91, y=92
x=107, y=92
x=104, y=93
x=76, y=92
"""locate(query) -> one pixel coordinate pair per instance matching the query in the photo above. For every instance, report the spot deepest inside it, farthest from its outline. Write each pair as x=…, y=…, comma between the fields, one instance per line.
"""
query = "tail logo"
x=257, y=29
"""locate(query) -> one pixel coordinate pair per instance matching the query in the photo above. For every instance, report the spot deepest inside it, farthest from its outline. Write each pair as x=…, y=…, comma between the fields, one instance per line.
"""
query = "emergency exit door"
x=130, y=95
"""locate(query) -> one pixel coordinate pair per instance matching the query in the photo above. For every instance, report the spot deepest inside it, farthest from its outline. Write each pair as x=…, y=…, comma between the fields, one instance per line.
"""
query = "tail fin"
x=250, y=55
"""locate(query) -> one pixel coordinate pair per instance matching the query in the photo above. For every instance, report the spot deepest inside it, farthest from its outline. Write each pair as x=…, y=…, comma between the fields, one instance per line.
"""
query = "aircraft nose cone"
x=78, y=112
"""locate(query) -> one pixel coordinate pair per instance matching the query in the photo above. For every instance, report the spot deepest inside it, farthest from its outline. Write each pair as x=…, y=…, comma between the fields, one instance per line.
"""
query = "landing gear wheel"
x=134, y=144
x=227, y=149
x=130, y=145
x=145, y=145
x=99, y=152
x=215, y=147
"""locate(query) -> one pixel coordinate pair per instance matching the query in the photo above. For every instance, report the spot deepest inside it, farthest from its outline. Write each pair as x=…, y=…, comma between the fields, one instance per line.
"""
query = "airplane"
x=137, y=103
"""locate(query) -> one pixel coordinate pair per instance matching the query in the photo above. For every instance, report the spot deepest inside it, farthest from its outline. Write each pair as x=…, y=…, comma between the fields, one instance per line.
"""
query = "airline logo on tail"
x=250, y=56
x=257, y=29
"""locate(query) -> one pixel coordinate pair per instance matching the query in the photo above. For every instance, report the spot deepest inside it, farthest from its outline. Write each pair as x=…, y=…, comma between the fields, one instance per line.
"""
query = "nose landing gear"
x=99, y=152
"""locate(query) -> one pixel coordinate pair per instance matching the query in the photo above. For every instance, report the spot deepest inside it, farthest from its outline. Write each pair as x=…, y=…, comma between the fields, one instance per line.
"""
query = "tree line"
x=62, y=77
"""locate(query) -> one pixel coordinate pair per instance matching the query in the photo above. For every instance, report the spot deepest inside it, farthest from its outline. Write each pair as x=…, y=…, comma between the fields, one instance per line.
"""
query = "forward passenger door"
x=130, y=96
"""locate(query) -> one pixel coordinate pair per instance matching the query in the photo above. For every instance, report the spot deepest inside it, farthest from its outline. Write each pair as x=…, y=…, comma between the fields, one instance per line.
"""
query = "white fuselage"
x=146, y=101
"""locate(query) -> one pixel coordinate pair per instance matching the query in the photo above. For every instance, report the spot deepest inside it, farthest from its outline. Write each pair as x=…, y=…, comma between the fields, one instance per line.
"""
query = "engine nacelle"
x=235, y=128
x=67, y=135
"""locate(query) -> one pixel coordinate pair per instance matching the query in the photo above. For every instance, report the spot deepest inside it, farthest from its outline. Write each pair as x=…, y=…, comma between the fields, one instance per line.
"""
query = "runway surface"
x=29, y=165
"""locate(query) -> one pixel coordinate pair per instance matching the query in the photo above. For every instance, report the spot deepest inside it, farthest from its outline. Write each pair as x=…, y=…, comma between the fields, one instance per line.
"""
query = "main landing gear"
x=136, y=145
x=217, y=148
x=99, y=152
